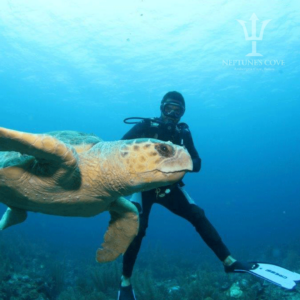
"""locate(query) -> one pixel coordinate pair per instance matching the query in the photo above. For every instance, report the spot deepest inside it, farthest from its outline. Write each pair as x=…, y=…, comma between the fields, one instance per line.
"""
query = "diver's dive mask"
x=172, y=110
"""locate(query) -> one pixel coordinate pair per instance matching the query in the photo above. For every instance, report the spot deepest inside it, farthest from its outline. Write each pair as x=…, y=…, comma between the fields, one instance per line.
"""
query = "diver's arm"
x=189, y=144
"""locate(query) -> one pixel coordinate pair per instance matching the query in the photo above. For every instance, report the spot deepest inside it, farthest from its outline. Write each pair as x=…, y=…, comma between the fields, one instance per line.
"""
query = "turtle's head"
x=152, y=163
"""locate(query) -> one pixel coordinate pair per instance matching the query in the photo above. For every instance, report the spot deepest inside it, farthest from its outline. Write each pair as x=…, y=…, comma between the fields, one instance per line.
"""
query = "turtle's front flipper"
x=38, y=145
x=11, y=217
x=123, y=227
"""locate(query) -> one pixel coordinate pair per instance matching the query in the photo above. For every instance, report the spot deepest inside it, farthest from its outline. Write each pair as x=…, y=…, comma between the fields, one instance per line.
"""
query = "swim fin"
x=273, y=273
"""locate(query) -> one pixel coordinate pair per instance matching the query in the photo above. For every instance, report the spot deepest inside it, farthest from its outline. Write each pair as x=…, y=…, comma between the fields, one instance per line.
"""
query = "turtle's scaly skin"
x=73, y=174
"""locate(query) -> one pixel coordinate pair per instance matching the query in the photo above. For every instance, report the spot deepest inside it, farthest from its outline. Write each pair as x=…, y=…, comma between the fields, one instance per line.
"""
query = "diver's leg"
x=126, y=292
x=130, y=255
x=181, y=204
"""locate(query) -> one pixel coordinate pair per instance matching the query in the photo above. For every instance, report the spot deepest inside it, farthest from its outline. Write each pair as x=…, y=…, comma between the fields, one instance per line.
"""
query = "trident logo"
x=254, y=38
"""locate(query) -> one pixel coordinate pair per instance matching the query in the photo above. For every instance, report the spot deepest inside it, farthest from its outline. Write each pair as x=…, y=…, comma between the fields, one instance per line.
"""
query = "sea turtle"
x=68, y=173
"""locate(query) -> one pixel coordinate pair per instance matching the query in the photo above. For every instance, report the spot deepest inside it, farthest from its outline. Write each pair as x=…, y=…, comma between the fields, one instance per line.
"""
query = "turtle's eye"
x=164, y=150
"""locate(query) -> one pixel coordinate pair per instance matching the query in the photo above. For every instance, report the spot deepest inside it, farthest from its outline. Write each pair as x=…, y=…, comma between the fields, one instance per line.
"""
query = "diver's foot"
x=238, y=267
x=126, y=293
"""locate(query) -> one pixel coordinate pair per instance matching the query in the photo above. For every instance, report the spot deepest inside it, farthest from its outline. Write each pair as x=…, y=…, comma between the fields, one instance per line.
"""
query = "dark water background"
x=86, y=67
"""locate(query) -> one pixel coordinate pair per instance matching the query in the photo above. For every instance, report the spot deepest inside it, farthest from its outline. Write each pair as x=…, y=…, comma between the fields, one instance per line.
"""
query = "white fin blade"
x=277, y=275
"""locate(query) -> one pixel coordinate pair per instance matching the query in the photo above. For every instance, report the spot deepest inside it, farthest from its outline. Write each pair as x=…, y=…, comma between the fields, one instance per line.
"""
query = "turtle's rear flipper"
x=38, y=145
x=11, y=217
x=122, y=229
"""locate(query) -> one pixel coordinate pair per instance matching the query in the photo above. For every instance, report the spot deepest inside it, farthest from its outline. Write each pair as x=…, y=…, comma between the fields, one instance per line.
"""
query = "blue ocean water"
x=87, y=65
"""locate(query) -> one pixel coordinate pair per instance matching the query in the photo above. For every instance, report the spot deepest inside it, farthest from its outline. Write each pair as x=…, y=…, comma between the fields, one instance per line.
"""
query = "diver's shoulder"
x=183, y=126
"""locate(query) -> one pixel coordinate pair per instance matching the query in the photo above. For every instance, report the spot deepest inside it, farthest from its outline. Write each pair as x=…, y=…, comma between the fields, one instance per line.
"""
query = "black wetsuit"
x=177, y=200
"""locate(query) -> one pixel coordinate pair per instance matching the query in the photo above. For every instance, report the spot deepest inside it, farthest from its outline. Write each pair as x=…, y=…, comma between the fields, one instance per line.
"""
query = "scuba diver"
x=174, y=198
